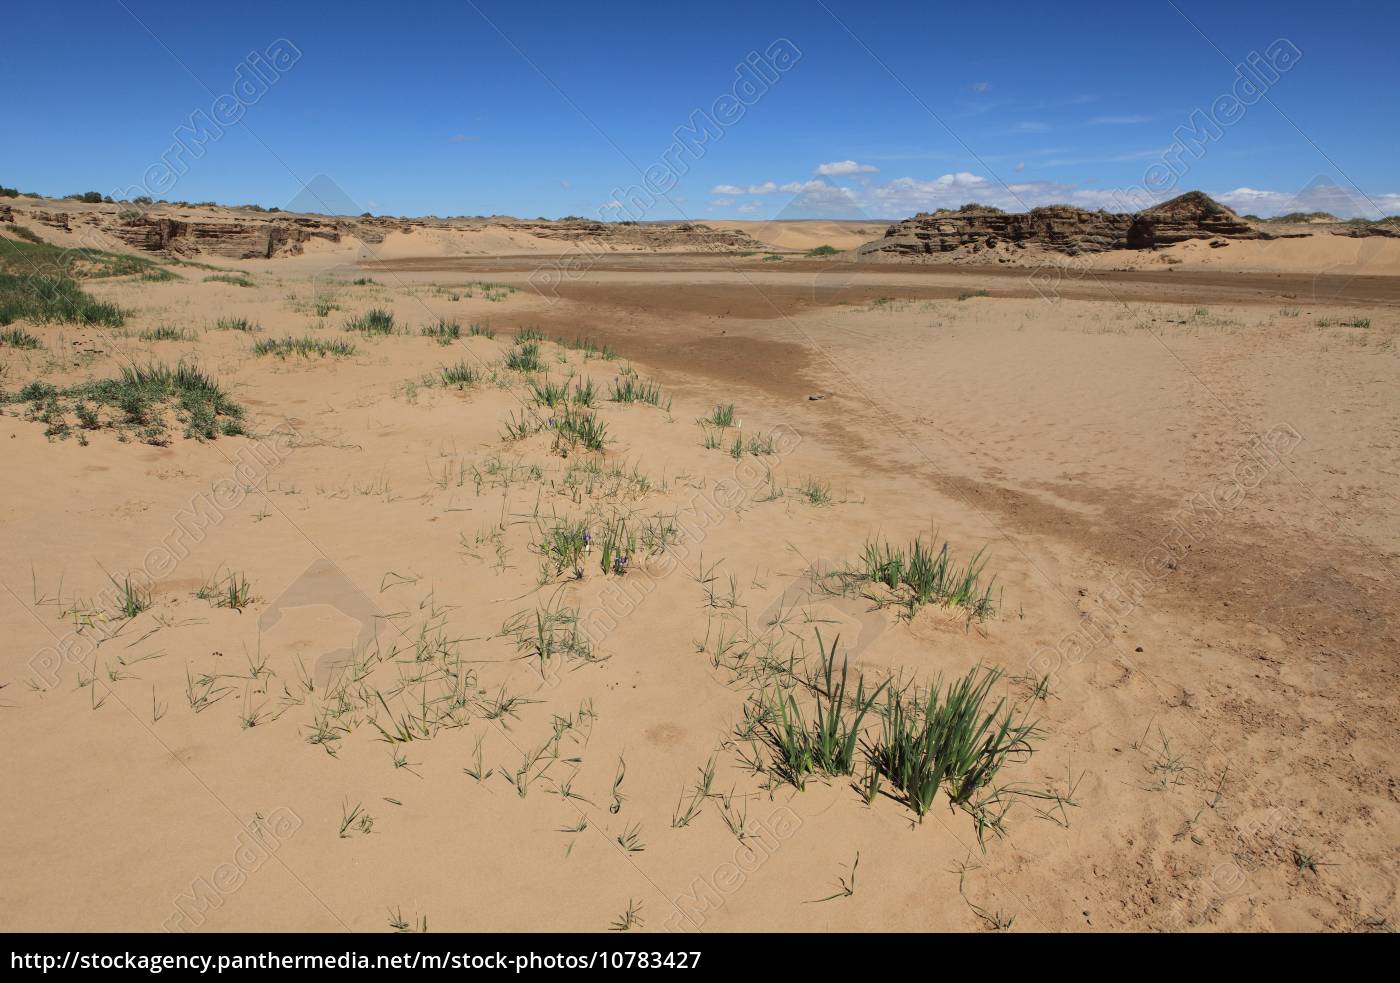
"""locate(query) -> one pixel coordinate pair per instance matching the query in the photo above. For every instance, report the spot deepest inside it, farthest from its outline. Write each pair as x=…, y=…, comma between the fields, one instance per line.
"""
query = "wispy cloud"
x=1119, y=120
x=766, y=187
x=839, y=167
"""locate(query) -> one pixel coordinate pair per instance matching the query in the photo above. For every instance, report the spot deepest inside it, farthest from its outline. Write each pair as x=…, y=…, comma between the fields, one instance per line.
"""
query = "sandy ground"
x=1187, y=493
x=810, y=233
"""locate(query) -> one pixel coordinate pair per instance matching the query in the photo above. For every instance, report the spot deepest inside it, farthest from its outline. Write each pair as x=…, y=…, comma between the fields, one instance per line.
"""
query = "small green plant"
x=236, y=324
x=524, y=358
x=948, y=740
x=305, y=346
x=166, y=332
x=629, y=389
x=131, y=598
x=828, y=744
x=629, y=919
x=18, y=338
x=551, y=394
x=459, y=376
x=445, y=332
x=722, y=416
x=929, y=577
x=575, y=427
x=528, y=334
x=375, y=321
x=815, y=492
x=231, y=591
x=481, y=331
x=969, y=294
x=233, y=279
x=823, y=251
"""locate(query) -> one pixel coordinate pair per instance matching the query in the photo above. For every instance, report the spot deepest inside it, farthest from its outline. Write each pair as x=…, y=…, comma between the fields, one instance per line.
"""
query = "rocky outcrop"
x=1193, y=215
x=232, y=240
x=1059, y=228
x=244, y=234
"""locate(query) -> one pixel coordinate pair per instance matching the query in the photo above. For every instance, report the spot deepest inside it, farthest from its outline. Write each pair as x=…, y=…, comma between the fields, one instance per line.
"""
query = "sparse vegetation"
x=232, y=279
x=305, y=346
x=445, y=332
x=44, y=299
x=18, y=338
x=375, y=321
x=236, y=324
x=922, y=576
x=137, y=403
x=524, y=357
x=947, y=739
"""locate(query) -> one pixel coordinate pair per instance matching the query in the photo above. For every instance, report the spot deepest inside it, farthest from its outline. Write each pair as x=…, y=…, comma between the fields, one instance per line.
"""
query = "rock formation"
x=1059, y=228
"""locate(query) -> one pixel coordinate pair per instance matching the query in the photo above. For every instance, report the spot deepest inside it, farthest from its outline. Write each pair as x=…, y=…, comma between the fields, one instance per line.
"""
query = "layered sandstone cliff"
x=1059, y=228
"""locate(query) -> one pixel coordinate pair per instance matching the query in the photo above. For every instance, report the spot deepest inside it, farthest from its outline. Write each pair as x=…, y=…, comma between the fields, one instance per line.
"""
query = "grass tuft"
x=305, y=346
x=375, y=321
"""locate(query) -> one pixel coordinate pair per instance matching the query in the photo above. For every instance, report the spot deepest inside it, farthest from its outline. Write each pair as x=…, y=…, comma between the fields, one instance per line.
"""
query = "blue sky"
x=460, y=108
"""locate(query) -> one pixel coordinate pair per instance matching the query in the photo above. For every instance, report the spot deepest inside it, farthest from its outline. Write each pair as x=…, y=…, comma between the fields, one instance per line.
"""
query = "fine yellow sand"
x=1188, y=508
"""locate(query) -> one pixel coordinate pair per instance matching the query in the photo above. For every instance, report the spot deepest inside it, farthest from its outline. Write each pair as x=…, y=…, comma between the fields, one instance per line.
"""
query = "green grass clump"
x=165, y=332
x=364, y=281
x=528, y=334
x=28, y=235
x=237, y=324
x=1333, y=322
x=376, y=321
x=481, y=331
x=232, y=591
x=38, y=258
x=305, y=346
x=969, y=294
x=131, y=598
x=575, y=427
x=460, y=375
x=18, y=338
x=815, y=492
x=139, y=400
x=561, y=545
x=721, y=416
x=590, y=348
x=551, y=394
x=823, y=251
x=445, y=331
x=827, y=744
x=948, y=739
x=233, y=279
x=43, y=298
x=629, y=389
x=524, y=357
x=927, y=577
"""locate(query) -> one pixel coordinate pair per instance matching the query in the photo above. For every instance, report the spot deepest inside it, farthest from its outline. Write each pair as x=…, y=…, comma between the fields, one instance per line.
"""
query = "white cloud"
x=839, y=167
x=980, y=86
x=767, y=187
x=1321, y=196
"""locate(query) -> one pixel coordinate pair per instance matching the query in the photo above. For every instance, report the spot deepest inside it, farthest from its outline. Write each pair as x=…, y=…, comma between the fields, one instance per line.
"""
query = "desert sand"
x=1183, y=482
